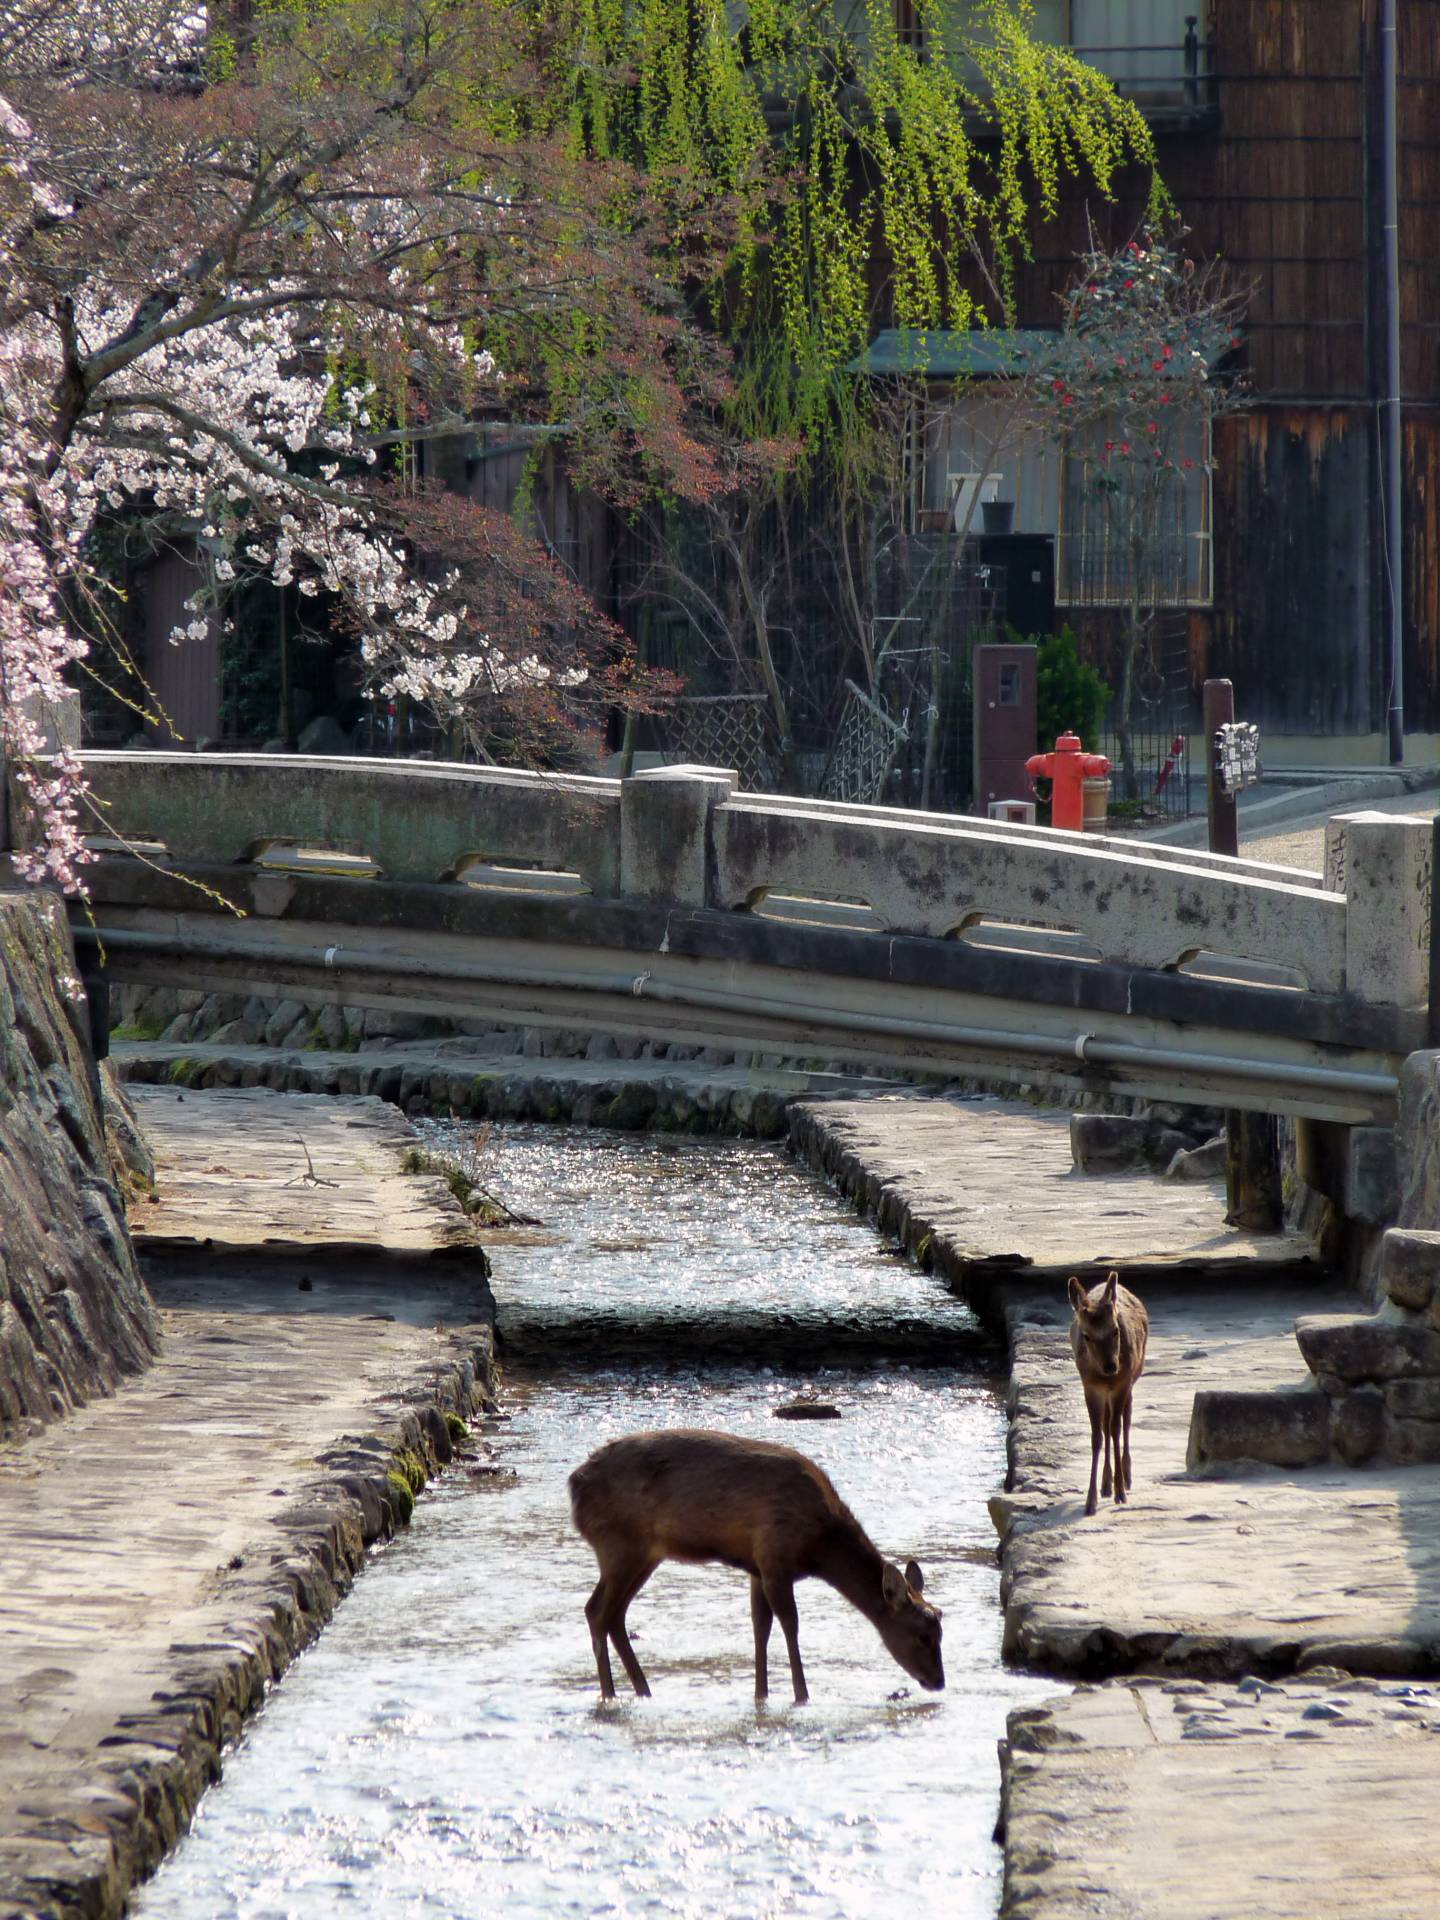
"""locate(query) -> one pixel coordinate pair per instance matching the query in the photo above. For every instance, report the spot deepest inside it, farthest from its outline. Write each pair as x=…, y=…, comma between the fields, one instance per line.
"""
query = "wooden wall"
x=1284, y=184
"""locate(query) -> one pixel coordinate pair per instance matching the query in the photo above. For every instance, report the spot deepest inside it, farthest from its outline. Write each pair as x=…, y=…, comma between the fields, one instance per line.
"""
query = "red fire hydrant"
x=1069, y=767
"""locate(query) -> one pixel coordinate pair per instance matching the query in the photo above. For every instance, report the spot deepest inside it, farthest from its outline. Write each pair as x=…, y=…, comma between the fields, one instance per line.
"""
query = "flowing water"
x=442, y=1750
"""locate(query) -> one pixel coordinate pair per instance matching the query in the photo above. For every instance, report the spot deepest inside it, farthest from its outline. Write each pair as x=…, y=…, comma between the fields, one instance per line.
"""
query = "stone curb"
x=622, y=1095
x=78, y=1855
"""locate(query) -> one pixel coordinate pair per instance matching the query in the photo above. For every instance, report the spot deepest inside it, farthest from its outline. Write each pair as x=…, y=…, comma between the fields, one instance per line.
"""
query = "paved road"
x=1301, y=843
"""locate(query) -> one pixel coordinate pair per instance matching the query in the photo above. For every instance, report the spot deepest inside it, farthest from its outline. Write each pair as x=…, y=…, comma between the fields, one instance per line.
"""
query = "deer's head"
x=910, y=1626
x=1099, y=1323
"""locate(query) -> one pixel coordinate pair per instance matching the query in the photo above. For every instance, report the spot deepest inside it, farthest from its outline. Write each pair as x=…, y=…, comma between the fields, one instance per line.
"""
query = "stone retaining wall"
x=84, y=1851
x=74, y=1313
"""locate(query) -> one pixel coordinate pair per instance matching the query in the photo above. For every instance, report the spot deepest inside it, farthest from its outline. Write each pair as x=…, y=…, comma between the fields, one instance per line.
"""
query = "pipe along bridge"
x=673, y=906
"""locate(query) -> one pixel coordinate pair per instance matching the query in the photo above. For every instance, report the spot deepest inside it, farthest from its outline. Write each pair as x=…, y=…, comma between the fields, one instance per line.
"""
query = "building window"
x=1155, y=51
x=1124, y=530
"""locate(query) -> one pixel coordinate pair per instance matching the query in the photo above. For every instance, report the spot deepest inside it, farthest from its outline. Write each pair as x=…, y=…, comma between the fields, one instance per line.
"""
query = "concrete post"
x=666, y=846
x=1381, y=863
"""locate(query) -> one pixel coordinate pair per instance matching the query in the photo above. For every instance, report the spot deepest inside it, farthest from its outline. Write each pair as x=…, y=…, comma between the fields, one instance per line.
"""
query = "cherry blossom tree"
x=249, y=263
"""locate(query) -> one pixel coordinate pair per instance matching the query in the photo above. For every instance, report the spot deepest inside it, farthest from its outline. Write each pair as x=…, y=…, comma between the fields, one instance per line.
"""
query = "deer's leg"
x=636, y=1579
x=779, y=1595
x=1113, y=1429
x=1093, y=1407
x=595, y=1616
x=1129, y=1477
x=605, y=1611
x=761, y=1614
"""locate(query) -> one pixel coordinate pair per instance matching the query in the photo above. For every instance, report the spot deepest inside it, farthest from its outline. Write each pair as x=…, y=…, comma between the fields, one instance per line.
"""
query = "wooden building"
x=1269, y=117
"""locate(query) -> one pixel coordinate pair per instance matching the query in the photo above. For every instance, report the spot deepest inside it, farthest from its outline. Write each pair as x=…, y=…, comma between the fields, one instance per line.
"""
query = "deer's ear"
x=892, y=1585
x=1112, y=1282
x=1076, y=1293
x=914, y=1578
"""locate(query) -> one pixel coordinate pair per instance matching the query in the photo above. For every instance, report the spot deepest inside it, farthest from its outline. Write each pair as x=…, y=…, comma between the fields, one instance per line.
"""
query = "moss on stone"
x=145, y=1027
x=459, y=1430
x=409, y=1463
x=401, y=1497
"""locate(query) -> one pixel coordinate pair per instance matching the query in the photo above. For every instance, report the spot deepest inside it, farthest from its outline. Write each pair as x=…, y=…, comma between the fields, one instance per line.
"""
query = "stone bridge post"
x=1382, y=864
x=667, y=849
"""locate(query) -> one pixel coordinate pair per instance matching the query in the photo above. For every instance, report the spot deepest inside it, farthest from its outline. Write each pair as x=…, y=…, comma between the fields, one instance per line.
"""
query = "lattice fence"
x=867, y=742
x=726, y=730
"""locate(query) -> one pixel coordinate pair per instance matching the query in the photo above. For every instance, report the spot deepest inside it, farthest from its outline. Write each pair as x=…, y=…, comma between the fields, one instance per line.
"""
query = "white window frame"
x=1083, y=590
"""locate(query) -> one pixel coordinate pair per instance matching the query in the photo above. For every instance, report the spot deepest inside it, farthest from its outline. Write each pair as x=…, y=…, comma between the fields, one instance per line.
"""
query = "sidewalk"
x=165, y=1552
x=1197, y=1793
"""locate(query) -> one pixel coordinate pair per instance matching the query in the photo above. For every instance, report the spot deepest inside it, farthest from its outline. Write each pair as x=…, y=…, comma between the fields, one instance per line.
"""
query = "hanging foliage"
x=842, y=138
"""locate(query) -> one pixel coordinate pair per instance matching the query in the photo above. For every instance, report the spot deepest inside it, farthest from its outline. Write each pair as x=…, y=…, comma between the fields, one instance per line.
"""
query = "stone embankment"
x=325, y=1344
x=74, y=1314
x=682, y=1093
x=1257, y=1732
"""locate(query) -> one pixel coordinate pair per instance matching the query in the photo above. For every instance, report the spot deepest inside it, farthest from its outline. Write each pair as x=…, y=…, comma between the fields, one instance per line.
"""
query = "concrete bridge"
x=674, y=906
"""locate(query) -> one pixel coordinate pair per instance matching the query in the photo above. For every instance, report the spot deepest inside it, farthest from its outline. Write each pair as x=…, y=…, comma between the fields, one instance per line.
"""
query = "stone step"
x=1410, y=1270
x=1398, y=1423
x=1351, y=1348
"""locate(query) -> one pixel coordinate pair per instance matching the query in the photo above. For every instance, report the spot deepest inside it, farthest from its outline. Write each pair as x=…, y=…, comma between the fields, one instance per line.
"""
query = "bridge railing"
x=686, y=835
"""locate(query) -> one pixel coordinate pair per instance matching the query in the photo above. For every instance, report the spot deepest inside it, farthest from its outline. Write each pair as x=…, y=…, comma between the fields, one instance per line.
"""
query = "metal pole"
x=1390, y=412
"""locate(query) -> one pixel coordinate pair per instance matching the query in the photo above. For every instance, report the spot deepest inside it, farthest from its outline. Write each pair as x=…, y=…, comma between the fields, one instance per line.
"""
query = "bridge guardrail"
x=686, y=835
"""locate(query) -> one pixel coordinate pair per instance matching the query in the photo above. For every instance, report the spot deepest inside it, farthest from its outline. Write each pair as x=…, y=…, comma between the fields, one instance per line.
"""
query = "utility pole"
x=1252, y=1140
x=1390, y=408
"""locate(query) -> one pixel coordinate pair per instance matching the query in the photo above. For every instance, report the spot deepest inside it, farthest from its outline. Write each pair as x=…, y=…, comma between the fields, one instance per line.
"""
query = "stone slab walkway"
x=245, y=1167
x=1120, y=1802
x=164, y=1552
x=1171, y=1800
x=994, y=1183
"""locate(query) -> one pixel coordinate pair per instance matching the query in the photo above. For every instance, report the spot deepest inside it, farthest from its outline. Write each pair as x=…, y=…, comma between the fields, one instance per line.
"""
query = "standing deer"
x=680, y=1494
x=1107, y=1336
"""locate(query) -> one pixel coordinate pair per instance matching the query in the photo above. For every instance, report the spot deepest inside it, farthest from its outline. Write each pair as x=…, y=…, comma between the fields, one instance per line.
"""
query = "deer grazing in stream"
x=681, y=1494
x=1108, y=1331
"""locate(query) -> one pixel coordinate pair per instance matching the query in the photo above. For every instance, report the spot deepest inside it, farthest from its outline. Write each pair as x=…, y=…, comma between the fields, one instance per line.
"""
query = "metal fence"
x=1152, y=783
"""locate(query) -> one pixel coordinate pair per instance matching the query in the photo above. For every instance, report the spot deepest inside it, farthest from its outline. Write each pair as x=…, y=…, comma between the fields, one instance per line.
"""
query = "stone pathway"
x=1213, y=1798
x=1171, y=1800
x=245, y=1167
x=995, y=1185
x=164, y=1552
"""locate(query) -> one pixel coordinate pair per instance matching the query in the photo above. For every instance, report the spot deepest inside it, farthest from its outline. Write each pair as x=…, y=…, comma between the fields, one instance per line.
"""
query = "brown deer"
x=680, y=1494
x=1108, y=1332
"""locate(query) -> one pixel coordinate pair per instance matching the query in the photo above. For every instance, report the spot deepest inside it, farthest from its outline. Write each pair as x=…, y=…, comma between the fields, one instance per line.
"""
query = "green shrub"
x=1071, y=696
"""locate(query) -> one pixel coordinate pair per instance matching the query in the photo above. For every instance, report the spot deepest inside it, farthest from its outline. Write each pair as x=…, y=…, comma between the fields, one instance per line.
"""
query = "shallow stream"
x=441, y=1750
